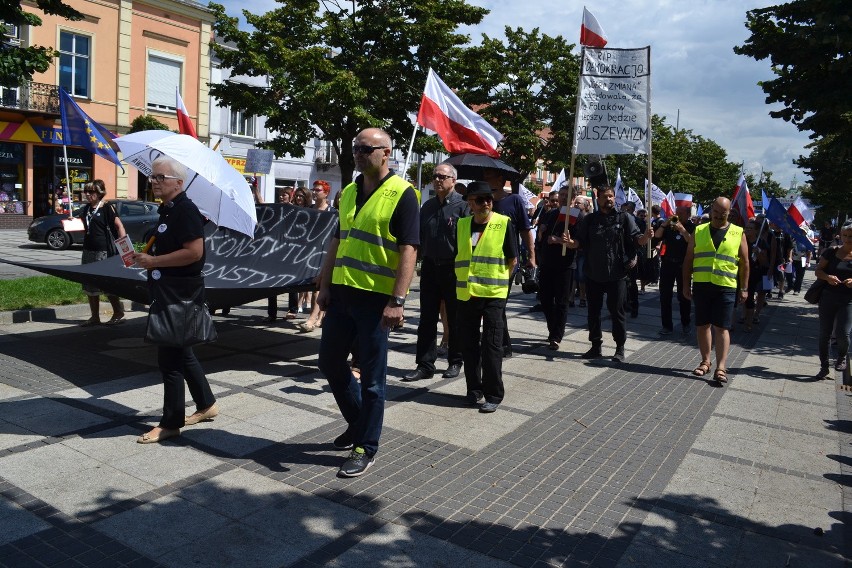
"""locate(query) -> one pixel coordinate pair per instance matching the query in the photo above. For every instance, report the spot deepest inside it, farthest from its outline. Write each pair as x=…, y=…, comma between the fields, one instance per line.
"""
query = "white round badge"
x=162, y=228
x=155, y=274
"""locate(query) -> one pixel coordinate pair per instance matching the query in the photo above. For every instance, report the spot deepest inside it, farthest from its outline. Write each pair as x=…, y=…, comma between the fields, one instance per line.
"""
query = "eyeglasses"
x=442, y=177
x=363, y=149
x=89, y=191
x=160, y=178
x=482, y=200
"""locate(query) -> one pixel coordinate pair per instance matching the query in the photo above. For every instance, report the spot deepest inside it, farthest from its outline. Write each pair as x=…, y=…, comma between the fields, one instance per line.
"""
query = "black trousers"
x=437, y=282
x=671, y=274
x=482, y=347
x=554, y=286
x=799, y=271
x=615, y=293
x=178, y=364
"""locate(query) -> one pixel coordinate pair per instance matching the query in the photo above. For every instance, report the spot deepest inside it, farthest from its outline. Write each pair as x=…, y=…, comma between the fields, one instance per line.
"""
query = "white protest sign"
x=614, y=106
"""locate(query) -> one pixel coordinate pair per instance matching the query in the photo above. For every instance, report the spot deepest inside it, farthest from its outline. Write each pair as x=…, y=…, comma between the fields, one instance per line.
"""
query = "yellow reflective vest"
x=483, y=273
x=717, y=266
x=368, y=255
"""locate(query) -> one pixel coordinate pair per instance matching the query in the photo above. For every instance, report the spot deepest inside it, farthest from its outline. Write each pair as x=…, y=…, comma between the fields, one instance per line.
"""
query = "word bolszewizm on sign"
x=614, y=109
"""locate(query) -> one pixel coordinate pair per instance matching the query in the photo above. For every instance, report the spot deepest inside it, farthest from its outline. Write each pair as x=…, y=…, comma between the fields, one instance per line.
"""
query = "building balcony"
x=31, y=98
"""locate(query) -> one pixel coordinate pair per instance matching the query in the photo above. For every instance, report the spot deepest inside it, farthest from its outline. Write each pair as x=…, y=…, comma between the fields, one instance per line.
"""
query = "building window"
x=74, y=63
x=163, y=82
x=242, y=124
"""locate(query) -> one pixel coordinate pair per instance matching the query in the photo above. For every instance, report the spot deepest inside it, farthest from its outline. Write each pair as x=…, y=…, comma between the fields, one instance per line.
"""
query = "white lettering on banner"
x=614, y=102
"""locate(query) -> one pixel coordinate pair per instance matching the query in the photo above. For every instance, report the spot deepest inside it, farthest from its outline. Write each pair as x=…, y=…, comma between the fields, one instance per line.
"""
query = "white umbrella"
x=219, y=191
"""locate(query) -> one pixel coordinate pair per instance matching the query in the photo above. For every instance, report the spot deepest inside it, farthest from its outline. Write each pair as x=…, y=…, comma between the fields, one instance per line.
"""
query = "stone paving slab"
x=585, y=463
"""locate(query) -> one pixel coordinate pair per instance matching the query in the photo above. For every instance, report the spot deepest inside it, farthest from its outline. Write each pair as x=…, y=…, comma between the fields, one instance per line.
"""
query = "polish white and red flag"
x=591, y=32
x=573, y=216
x=184, y=122
x=683, y=199
x=668, y=204
x=461, y=130
x=742, y=199
x=800, y=212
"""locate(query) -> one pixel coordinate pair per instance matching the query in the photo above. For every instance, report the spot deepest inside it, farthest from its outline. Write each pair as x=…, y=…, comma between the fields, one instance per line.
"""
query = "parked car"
x=138, y=217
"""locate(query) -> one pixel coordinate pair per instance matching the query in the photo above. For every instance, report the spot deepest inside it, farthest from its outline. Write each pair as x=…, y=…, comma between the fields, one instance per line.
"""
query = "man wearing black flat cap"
x=487, y=249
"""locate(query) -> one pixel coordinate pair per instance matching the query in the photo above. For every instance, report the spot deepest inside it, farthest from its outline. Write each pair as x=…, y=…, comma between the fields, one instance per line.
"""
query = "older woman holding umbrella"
x=175, y=263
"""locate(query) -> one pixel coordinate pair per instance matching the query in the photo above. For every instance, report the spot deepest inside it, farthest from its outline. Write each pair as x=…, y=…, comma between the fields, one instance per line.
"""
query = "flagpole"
x=574, y=141
x=410, y=148
x=650, y=204
x=67, y=178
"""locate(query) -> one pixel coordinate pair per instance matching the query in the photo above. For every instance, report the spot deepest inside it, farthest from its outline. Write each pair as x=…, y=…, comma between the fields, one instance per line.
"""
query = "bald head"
x=719, y=212
x=375, y=137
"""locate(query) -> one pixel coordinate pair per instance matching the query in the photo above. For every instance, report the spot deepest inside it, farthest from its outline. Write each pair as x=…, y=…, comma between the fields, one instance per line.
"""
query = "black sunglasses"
x=441, y=177
x=482, y=200
x=363, y=149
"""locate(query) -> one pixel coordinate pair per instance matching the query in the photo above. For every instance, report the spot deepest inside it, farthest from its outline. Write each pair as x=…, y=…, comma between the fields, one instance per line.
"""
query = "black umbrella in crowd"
x=470, y=166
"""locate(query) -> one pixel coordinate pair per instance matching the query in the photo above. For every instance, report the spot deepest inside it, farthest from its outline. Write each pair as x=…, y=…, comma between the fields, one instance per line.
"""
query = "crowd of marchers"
x=472, y=242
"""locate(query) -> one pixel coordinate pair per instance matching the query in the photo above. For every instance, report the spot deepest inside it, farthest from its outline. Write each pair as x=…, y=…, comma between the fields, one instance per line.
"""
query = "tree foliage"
x=334, y=68
x=526, y=86
x=809, y=44
x=19, y=64
x=146, y=122
x=683, y=162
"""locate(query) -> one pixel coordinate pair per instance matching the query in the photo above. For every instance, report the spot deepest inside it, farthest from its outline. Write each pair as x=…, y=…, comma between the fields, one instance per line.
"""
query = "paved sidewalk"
x=584, y=464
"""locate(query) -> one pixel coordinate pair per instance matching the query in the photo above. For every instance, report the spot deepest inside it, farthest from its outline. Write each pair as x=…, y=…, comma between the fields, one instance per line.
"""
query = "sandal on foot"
x=721, y=375
x=702, y=369
x=90, y=322
x=307, y=326
x=116, y=319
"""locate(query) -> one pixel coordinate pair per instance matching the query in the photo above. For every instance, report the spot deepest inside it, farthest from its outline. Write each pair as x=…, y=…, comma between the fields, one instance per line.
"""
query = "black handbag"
x=815, y=291
x=178, y=316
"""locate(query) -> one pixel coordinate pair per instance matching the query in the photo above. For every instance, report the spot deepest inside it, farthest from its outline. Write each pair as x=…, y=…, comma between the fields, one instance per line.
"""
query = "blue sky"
x=694, y=68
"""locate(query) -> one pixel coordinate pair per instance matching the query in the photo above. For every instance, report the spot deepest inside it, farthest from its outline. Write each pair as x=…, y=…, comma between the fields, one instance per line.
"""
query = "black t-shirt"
x=405, y=220
x=99, y=226
x=550, y=255
x=840, y=268
x=180, y=222
x=718, y=235
x=676, y=245
x=510, y=241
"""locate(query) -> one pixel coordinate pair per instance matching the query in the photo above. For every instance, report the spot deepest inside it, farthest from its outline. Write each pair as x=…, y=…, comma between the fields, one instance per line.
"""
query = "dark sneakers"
x=343, y=442
x=356, y=464
x=489, y=407
x=593, y=353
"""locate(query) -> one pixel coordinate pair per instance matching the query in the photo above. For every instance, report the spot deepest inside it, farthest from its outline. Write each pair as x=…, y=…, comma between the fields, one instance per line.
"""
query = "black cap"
x=478, y=188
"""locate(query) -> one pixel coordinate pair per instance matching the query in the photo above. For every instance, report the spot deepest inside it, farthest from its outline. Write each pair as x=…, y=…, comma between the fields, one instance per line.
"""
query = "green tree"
x=809, y=44
x=19, y=64
x=526, y=86
x=146, y=122
x=683, y=162
x=334, y=69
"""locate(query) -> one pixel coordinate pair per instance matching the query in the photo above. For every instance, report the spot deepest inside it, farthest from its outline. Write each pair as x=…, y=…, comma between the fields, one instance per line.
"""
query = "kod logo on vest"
x=389, y=193
x=495, y=225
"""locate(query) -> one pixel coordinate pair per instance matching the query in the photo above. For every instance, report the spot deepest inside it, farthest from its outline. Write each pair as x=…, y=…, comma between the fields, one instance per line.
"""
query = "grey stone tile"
x=44, y=466
x=48, y=417
x=234, y=545
x=236, y=493
x=17, y=522
x=162, y=525
x=800, y=491
x=761, y=551
x=640, y=554
x=12, y=435
x=165, y=463
x=690, y=536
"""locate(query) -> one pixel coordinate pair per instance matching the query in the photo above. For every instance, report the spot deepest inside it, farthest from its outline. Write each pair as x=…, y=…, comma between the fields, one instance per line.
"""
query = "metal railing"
x=34, y=97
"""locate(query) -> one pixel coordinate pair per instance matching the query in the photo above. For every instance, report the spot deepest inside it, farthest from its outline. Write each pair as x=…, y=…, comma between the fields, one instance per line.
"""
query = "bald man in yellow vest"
x=715, y=271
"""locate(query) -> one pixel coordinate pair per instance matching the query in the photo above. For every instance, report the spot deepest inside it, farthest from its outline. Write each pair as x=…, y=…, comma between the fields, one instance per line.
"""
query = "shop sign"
x=76, y=158
x=11, y=153
x=239, y=164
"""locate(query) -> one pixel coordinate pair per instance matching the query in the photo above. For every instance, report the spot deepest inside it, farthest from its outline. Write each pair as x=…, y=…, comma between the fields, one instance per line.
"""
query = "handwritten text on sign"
x=615, y=102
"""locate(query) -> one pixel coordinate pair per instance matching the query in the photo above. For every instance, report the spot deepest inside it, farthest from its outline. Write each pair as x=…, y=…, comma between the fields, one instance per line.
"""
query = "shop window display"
x=12, y=196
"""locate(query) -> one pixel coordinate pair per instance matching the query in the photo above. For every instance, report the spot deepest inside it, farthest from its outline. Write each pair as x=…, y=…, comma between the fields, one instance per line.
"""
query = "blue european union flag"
x=778, y=215
x=78, y=129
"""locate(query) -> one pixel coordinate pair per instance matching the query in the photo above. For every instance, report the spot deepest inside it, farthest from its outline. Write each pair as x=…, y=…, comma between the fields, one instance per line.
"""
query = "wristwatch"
x=397, y=301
